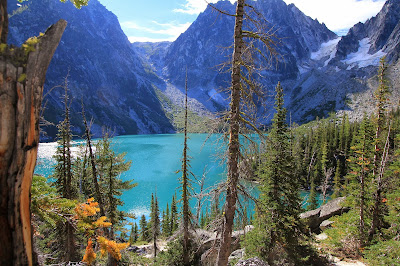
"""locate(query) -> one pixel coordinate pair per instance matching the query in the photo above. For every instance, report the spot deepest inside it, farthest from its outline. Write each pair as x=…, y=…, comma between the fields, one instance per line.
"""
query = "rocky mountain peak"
x=380, y=30
x=101, y=66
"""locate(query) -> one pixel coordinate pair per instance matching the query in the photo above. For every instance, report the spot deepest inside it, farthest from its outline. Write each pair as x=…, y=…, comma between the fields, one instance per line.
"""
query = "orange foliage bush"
x=89, y=256
x=84, y=216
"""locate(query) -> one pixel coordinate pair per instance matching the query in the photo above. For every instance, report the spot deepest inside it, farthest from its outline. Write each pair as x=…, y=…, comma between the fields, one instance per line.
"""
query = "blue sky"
x=165, y=20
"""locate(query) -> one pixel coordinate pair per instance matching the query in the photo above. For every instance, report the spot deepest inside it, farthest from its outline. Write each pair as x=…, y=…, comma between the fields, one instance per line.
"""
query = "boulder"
x=210, y=241
x=315, y=217
x=237, y=254
x=252, y=262
x=325, y=224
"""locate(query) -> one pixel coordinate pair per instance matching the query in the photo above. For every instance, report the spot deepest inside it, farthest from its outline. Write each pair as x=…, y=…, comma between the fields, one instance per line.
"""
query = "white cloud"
x=171, y=31
x=339, y=15
x=193, y=7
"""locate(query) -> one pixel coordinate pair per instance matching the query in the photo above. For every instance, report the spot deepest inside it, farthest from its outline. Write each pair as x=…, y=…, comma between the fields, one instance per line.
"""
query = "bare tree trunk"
x=3, y=21
x=234, y=144
x=328, y=174
x=21, y=88
x=378, y=193
x=99, y=198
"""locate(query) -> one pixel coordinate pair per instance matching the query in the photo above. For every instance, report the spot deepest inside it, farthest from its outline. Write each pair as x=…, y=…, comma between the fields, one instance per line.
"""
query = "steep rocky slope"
x=320, y=72
x=203, y=48
x=102, y=68
x=138, y=88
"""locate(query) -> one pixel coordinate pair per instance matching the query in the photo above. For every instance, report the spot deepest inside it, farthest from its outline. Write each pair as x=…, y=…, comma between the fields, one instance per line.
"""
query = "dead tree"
x=23, y=72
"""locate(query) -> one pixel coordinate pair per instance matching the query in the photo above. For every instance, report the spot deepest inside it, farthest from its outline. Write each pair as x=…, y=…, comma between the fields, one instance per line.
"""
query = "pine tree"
x=64, y=179
x=360, y=164
x=185, y=182
x=134, y=236
x=154, y=224
x=312, y=200
x=381, y=96
x=111, y=165
x=337, y=189
x=144, y=231
x=166, y=223
x=277, y=218
x=174, y=215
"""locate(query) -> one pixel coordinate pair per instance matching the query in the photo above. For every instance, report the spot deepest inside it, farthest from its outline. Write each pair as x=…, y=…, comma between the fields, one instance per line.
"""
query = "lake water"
x=155, y=161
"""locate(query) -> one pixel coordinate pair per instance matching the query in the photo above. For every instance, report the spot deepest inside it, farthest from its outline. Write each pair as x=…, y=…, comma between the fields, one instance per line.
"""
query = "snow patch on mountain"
x=216, y=96
x=326, y=49
x=362, y=58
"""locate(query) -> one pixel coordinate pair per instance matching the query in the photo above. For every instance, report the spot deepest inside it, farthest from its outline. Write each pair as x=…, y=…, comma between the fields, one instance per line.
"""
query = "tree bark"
x=21, y=88
x=234, y=144
x=3, y=21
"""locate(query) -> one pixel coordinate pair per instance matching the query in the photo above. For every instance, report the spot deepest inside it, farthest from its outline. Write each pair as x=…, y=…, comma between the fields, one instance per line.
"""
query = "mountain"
x=138, y=88
x=202, y=48
x=102, y=69
x=341, y=76
x=320, y=72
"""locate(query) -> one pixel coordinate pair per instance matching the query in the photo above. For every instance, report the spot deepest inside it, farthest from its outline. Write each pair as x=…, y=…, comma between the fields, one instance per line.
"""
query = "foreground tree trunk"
x=23, y=72
x=234, y=144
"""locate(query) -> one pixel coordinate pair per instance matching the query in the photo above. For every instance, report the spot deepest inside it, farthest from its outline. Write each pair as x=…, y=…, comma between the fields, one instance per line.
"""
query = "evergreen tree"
x=111, y=165
x=166, y=223
x=185, y=182
x=144, y=231
x=381, y=95
x=337, y=181
x=154, y=224
x=174, y=215
x=312, y=201
x=360, y=176
x=133, y=238
x=277, y=219
x=64, y=180
x=63, y=170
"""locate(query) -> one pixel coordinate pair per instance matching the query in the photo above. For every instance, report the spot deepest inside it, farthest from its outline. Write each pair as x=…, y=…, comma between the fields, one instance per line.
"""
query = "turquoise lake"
x=155, y=161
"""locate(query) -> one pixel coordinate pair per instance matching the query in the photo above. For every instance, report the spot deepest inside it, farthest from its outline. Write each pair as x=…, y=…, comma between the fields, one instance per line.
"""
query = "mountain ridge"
x=126, y=86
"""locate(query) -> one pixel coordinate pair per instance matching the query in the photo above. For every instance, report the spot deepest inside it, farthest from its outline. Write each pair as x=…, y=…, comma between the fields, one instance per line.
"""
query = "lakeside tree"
x=92, y=159
x=111, y=165
x=64, y=183
x=381, y=147
x=277, y=224
x=174, y=215
x=243, y=93
x=134, y=236
x=154, y=224
x=144, y=231
x=186, y=186
x=166, y=222
x=360, y=176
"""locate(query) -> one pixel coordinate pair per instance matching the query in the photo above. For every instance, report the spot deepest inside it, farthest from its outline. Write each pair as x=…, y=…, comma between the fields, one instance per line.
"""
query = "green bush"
x=383, y=253
x=174, y=255
x=343, y=236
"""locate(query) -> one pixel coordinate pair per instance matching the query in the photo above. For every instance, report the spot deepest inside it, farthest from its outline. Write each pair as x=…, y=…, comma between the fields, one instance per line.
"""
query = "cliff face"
x=102, y=68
